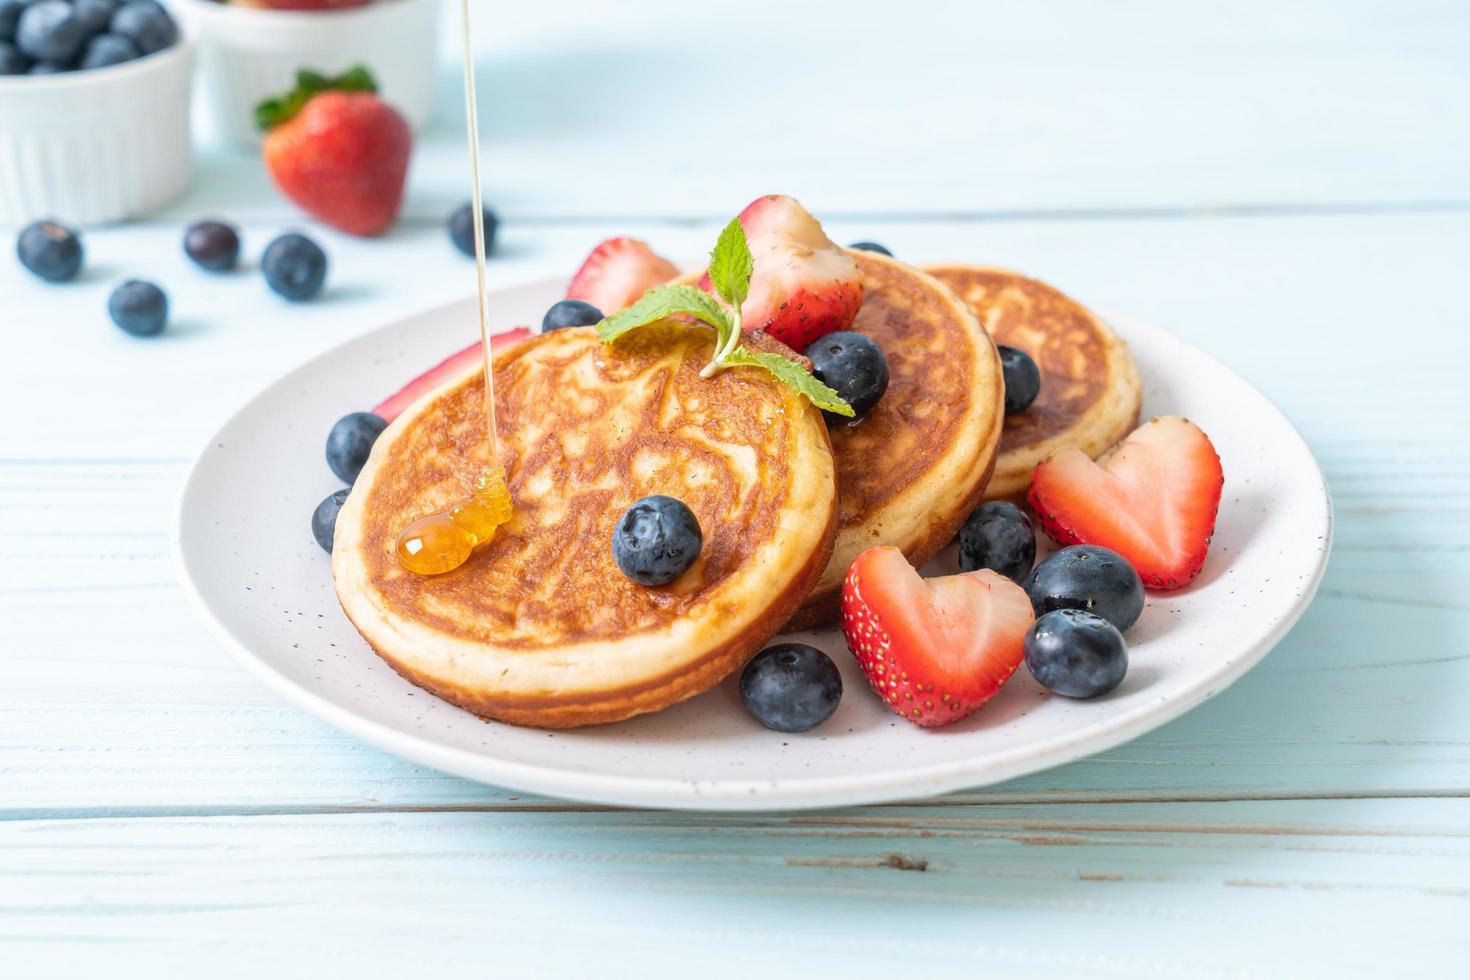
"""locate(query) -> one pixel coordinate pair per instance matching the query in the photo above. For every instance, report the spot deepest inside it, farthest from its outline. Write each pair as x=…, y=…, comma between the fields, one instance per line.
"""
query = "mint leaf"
x=793, y=376
x=666, y=301
x=731, y=265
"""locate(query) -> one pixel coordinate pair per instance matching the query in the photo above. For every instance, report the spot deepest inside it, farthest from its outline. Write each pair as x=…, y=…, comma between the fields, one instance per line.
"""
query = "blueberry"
x=212, y=245
x=146, y=24
x=570, y=313
x=295, y=267
x=853, y=366
x=324, y=519
x=50, y=250
x=10, y=11
x=50, y=31
x=95, y=15
x=138, y=307
x=791, y=687
x=108, y=49
x=656, y=540
x=871, y=247
x=350, y=442
x=998, y=536
x=12, y=62
x=1076, y=653
x=462, y=229
x=1085, y=576
x=1022, y=378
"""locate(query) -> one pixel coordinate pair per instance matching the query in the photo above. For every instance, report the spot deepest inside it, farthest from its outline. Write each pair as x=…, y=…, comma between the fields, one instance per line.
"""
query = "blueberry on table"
x=295, y=267
x=50, y=250
x=871, y=247
x=1022, y=378
x=998, y=536
x=12, y=62
x=1091, y=578
x=853, y=366
x=10, y=11
x=50, y=31
x=138, y=307
x=570, y=313
x=462, y=229
x=213, y=245
x=656, y=540
x=324, y=519
x=108, y=49
x=1076, y=653
x=350, y=442
x=146, y=24
x=95, y=15
x=791, y=687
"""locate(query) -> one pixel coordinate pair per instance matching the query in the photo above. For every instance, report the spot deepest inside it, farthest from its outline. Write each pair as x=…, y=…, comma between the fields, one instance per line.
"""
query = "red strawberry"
x=448, y=368
x=1153, y=502
x=618, y=272
x=804, y=285
x=338, y=150
x=306, y=4
x=934, y=649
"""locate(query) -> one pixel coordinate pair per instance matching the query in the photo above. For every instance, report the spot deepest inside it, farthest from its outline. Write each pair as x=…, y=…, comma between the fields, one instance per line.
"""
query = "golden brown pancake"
x=1090, y=391
x=539, y=627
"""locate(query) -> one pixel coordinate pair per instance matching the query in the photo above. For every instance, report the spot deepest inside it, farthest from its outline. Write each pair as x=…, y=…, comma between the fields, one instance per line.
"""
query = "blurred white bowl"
x=88, y=147
x=248, y=54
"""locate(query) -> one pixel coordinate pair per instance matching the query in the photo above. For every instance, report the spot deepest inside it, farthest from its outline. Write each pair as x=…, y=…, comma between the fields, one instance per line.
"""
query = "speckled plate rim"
x=770, y=795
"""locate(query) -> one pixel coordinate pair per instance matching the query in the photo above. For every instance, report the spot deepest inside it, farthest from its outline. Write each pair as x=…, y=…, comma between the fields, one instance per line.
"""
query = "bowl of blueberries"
x=94, y=109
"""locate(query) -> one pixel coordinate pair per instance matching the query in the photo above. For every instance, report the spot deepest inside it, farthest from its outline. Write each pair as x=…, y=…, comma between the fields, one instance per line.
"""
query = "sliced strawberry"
x=935, y=649
x=618, y=272
x=804, y=285
x=1154, y=501
x=448, y=368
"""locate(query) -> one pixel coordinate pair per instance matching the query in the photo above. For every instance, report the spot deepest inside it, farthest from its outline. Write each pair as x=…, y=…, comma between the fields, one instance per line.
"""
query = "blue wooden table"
x=1285, y=185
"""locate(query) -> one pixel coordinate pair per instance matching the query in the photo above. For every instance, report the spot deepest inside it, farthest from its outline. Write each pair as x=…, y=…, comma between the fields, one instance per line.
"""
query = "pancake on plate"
x=540, y=627
x=1090, y=392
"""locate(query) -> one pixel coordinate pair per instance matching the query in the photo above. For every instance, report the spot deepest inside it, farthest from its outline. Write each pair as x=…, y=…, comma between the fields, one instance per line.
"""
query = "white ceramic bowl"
x=248, y=54
x=88, y=147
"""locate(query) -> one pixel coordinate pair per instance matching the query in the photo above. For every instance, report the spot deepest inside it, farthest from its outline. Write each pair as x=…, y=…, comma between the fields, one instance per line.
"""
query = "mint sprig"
x=731, y=267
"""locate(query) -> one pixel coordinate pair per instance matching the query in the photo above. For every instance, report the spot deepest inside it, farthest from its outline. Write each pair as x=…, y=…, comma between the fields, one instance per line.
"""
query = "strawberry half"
x=804, y=286
x=1154, y=501
x=448, y=368
x=618, y=272
x=935, y=649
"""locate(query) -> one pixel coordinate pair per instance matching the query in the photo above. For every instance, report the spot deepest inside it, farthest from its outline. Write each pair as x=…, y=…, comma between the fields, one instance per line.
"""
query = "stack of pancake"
x=540, y=628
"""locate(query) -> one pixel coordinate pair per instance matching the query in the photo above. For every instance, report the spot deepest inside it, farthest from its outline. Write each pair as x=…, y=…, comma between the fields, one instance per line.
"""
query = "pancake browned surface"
x=911, y=471
x=539, y=627
x=1090, y=392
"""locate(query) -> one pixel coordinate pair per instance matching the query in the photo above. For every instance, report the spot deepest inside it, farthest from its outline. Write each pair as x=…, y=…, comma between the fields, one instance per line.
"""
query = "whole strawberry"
x=338, y=150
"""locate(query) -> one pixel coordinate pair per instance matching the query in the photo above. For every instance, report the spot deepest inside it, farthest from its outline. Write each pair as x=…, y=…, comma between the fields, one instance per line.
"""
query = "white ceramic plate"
x=248, y=559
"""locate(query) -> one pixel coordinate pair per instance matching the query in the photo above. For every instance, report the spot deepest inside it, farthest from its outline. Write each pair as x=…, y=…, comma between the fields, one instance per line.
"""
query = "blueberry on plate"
x=324, y=519
x=791, y=687
x=138, y=307
x=295, y=267
x=853, y=366
x=95, y=15
x=1022, y=378
x=998, y=536
x=108, y=49
x=50, y=250
x=10, y=11
x=50, y=31
x=213, y=245
x=570, y=313
x=12, y=62
x=1076, y=653
x=656, y=540
x=462, y=229
x=146, y=24
x=871, y=247
x=1091, y=578
x=350, y=442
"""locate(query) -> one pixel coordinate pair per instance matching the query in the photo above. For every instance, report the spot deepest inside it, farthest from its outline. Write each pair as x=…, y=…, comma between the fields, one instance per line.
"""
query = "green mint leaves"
x=731, y=267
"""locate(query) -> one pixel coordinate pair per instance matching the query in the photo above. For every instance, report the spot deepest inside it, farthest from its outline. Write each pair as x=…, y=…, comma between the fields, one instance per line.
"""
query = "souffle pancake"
x=1090, y=392
x=539, y=627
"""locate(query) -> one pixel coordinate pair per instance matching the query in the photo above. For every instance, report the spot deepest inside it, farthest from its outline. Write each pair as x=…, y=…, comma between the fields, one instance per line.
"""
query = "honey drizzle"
x=443, y=541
